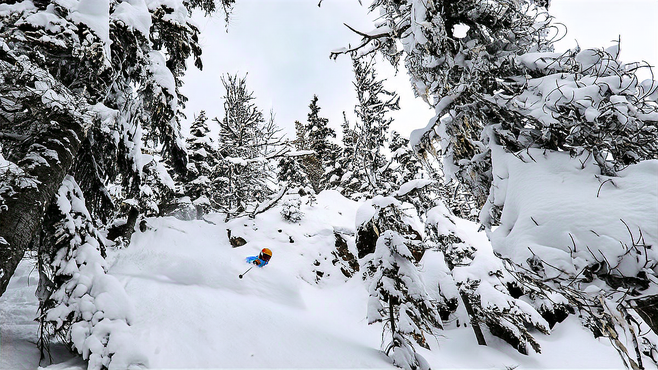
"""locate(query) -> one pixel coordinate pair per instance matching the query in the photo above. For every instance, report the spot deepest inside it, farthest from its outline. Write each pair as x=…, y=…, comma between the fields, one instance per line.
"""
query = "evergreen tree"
x=80, y=304
x=310, y=163
x=291, y=171
x=501, y=88
x=111, y=91
x=202, y=161
x=342, y=177
x=319, y=133
x=246, y=140
x=316, y=134
x=403, y=166
x=398, y=297
x=389, y=247
x=374, y=102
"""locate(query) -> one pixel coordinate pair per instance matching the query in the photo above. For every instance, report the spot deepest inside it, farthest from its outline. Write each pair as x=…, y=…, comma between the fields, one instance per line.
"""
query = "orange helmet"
x=265, y=254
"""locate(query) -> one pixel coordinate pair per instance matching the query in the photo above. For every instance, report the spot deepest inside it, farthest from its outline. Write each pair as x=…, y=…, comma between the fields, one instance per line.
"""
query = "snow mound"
x=563, y=210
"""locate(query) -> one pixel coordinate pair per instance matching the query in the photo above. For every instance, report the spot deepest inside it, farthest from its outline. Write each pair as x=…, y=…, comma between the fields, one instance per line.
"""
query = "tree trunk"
x=60, y=131
x=474, y=321
x=647, y=308
x=391, y=315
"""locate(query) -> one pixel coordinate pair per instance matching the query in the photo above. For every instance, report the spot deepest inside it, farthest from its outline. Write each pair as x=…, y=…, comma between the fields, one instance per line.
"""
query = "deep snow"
x=192, y=311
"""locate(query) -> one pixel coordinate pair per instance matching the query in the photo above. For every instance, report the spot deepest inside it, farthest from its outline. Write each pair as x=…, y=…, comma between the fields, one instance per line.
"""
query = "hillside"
x=190, y=309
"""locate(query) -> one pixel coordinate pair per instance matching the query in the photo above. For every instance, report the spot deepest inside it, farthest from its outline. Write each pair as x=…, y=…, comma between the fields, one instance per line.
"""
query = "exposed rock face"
x=366, y=239
x=343, y=257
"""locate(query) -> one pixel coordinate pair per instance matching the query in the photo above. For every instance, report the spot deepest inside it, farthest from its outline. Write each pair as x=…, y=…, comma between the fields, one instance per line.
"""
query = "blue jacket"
x=253, y=260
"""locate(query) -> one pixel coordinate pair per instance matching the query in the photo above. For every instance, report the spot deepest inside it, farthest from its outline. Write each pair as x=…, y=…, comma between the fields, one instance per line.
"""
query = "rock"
x=348, y=262
x=237, y=241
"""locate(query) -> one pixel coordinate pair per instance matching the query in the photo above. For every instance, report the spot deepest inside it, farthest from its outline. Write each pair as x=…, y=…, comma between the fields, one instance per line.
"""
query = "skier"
x=262, y=259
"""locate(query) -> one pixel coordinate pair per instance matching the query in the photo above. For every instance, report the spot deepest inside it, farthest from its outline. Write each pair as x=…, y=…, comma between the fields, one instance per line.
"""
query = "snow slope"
x=192, y=311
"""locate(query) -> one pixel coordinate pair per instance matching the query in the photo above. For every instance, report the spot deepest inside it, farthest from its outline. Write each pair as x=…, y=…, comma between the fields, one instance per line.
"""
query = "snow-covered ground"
x=192, y=311
x=18, y=330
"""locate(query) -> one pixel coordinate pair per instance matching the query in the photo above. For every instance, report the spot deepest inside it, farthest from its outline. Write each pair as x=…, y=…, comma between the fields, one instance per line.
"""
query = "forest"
x=529, y=200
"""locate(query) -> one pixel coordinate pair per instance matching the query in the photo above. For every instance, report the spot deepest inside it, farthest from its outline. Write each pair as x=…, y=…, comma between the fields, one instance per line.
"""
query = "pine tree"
x=403, y=166
x=502, y=88
x=342, y=177
x=374, y=102
x=80, y=304
x=291, y=171
x=111, y=91
x=397, y=294
x=202, y=161
x=316, y=134
x=246, y=140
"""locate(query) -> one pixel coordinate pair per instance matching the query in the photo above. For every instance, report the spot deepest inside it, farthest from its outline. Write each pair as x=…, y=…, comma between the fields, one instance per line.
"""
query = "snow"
x=135, y=14
x=95, y=14
x=412, y=185
x=562, y=209
x=162, y=75
x=190, y=310
x=18, y=307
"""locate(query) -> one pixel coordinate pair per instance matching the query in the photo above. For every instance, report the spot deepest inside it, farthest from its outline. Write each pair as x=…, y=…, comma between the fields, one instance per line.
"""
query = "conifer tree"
x=502, y=89
x=319, y=132
x=80, y=304
x=109, y=87
x=202, y=161
x=390, y=247
x=371, y=130
x=342, y=176
x=398, y=298
x=246, y=140
x=404, y=165
x=316, y=134
x=292, y=171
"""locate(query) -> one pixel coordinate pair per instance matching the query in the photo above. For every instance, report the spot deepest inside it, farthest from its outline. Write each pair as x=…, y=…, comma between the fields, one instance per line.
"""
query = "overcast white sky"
x=284, y=46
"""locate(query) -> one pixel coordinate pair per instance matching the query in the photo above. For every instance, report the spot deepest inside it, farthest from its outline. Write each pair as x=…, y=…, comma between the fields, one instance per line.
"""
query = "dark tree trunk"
x=474, y=321
x=59, y=131
x=647, y=308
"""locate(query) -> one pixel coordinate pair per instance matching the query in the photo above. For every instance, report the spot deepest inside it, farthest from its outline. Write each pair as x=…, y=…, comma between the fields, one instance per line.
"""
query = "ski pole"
x=241, y=275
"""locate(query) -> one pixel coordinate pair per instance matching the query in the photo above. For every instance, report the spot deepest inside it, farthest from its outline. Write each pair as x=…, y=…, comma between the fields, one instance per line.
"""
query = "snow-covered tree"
x=501, y=88
x=246, y=141
x=310, y=163
x=80, y=304
x=202, y=160
x=371, y=127
x=314, y=135
x=292, y=172
x=397, y=294
x=485, y=286
x=319, y=132
x=290, y=210
x=342, y=176
x=404, y=165
x=98, y=69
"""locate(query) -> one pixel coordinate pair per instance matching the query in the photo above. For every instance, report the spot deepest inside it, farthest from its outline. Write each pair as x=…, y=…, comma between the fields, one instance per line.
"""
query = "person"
x=262, y=259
